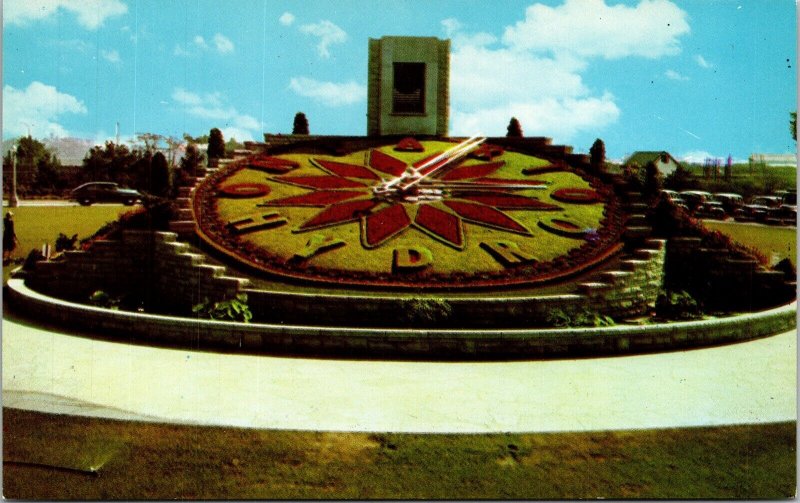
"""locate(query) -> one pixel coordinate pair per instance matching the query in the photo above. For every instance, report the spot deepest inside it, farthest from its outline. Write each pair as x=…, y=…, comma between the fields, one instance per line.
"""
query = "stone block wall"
x=723, y=281
x=151, y=265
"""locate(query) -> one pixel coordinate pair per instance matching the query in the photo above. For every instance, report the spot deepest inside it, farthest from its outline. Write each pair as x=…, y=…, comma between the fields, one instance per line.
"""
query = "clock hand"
x=414, y=175
x=444, y=184
x=436, y=164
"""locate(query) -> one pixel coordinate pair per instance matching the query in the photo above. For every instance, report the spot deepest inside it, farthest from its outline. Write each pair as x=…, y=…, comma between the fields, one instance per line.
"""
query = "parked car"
x=104, y=192
x=759, y=209
x=730, y=201
x=695, y=198
x=711, y=209
x=787, y=211
x=674, y=197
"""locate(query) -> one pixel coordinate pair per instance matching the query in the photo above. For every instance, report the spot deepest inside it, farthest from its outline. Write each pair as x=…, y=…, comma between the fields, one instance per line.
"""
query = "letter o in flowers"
x=563, y=227
x=244, y=190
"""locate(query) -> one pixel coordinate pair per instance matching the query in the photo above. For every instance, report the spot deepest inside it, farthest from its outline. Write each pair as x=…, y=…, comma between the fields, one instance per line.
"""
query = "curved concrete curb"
x=426, y=343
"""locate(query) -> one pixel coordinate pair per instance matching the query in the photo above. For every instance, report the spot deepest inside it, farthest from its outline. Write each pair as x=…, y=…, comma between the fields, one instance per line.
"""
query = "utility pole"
x=13, y=200
x=117, y=136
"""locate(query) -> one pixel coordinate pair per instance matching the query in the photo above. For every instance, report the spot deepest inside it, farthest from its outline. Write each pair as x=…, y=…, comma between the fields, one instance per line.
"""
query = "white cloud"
x=560, y=118
x=330, y=94
x=111, y=56
x=200, y=42
x=180, y=51
x=223, y=43
x=286, y=19
x=673, y=75
x=696, y=156
x=213, y=108
x=590, y=28
x=38, y=106
x=327, y=33
x=700, y=60
x=91, y=14
x=451, y=26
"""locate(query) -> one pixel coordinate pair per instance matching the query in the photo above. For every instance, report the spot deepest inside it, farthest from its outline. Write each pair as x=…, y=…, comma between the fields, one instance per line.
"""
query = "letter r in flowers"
x=508, y=253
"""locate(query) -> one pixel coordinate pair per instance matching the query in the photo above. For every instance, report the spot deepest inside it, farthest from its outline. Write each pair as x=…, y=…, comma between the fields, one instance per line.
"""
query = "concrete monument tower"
x=408, y=86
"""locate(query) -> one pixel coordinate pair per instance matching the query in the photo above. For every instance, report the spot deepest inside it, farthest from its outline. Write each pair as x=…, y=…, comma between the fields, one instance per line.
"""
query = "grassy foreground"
x=145, y=461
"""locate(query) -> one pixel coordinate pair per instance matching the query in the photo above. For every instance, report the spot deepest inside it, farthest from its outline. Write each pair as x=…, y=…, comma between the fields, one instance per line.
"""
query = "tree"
x=159, y=175
x=598, y=156
x=191, y=161
x=653, y=181
x=300, y=124
x=150, y=140
x=38, y=169
x=514, y=129
x=793, y=125
x=216, y=144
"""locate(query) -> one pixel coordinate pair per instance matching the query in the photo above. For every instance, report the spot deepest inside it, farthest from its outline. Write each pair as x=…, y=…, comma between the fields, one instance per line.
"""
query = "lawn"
x=774, y=242
x=37, y=225
x=147, y=461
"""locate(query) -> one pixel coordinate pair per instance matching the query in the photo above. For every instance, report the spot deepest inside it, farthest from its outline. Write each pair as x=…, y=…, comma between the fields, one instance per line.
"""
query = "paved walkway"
x=743, y=383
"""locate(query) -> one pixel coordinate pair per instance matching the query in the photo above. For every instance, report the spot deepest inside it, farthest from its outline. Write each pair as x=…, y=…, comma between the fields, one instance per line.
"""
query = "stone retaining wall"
x=158, y=269
x=485, y=343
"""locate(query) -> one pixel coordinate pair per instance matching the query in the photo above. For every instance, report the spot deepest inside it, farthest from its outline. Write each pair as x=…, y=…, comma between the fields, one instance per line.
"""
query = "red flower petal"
x=386, y=163
x=274, y=165
x=486, y=216
x=348, y=170
x=486, y=152
x=440, y=224
x=502, y=181
x=379, y=226
x=473, y=171
x=576, y=195
x=339, y=214
x=317, y=198
x=510, y=202
x=409, y=144
x=321, y=182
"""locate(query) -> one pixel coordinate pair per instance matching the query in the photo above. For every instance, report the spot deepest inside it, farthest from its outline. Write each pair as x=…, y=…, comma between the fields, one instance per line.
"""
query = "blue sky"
x=693, y=77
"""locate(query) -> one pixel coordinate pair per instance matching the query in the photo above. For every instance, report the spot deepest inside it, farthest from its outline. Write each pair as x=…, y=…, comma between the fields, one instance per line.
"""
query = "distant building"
x=773, y=160
x=665, y=163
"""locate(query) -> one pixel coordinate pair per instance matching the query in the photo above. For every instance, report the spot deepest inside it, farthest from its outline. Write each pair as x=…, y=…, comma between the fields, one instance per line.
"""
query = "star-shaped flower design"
x=438, y=204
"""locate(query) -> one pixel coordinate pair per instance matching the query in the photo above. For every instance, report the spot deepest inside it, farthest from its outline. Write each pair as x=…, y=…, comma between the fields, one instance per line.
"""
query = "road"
x=743, y=383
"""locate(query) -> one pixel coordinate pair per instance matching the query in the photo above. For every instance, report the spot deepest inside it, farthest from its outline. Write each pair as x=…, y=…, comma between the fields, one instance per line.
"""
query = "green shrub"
x=582, y=318
x=102, y=299
x=425, y=310
x=235, y=309
x=64, y=242
x=677, y=305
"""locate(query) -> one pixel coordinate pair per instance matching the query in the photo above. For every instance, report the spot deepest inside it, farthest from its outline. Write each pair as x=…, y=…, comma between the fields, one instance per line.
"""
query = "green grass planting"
x=775, y=243
x=147, y=461
x=37, y=225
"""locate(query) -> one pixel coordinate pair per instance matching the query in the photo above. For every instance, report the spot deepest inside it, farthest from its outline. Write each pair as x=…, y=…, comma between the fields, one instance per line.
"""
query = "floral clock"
x=429, y=214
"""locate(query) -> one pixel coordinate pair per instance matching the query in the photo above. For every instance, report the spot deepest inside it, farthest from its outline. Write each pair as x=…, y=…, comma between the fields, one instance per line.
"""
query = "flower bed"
x=386, y=163
x=486, y=215
x=576, y=196
x=274, y=165
x=340, y=213
x=440, y=224
x=473, y=171
x=318, y=198
x=244, y=190
x=322, y=182
x=409, y=144
x=384, y=224
x=487, y=152
x=346, y=170
x=503, y=201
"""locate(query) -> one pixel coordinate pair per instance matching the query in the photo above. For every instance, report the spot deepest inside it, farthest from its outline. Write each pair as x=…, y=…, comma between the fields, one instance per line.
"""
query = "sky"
x=696, y=78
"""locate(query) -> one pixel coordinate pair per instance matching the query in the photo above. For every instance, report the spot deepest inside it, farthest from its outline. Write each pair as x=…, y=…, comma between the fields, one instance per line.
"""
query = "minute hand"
x=441, y=161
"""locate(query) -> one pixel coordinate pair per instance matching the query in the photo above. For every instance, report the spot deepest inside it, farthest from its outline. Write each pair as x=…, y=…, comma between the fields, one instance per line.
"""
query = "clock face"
x=431, y=214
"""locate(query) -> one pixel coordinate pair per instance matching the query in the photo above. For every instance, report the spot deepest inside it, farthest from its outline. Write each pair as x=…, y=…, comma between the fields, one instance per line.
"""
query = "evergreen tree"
x=159, y=175
x=300, y=124
x=216, y=144
x=793, y=125
x=191, y=161
x=653, y=181
x=598, y=156
x=514, y=129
